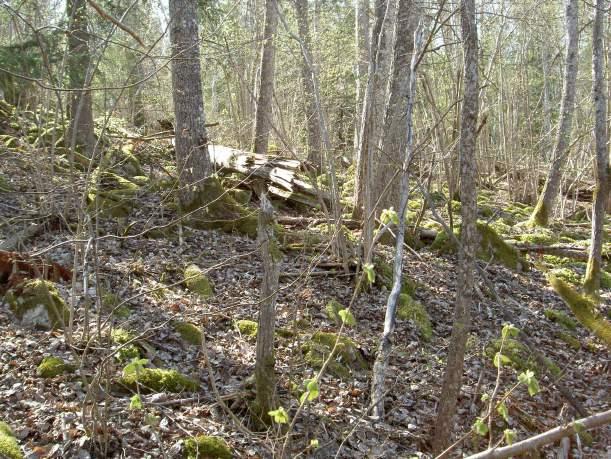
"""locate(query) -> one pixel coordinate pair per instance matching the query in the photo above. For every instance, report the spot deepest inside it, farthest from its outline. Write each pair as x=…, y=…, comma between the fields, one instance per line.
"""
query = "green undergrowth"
x=9, y=448
x=126, y=352
x=207, y=447
x=158, y=380
x=189, y=332
x=560, y=318
x=520, y=357
x=410, y=309
x=50, y=367
x=583, y=308
x=197, y=282
x=248, y=328
x=569, y=339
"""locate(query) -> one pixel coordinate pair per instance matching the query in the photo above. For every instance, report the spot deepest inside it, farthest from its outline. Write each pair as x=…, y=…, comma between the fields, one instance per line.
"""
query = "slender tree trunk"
x=361, y=32
x=314, y=140
x=545, y=203
x=385, y=346
x=466, y=254
x=264, y=366
x=592, y=279
x=191, y=141
x=393, y=139
x=80, y=130
x=263, y=117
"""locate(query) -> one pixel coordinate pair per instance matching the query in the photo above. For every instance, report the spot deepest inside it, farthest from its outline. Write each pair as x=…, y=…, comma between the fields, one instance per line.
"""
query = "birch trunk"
x=545, y=203
x=466, y=255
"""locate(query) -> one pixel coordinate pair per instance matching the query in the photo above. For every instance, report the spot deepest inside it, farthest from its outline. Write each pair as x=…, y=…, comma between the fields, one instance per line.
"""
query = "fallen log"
x=281, y=174
x=559, y=250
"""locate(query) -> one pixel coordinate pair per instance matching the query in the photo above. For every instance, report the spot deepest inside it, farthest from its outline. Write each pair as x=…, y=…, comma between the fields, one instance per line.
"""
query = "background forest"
x=304, y=228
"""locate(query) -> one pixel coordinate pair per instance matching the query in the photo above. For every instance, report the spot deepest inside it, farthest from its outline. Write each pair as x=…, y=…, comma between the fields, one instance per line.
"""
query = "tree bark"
x=545, y=203
x=314, y=140
x=466, y=255
x=80, y=130
x=265, y=363
x=361, y=38
x=592, y=279
x=191, y=141
x=263, y=116
x=393, y=139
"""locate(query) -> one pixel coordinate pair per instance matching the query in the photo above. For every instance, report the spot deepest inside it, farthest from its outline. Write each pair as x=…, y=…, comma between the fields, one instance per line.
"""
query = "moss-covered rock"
x=159, y=380
x=410, y=309
x=345, y=358
x=9, y=447
x=569, y=339
x=110, y=194
x=37, y=303
x=197, y=282
x=50, y=367
x=247, y=327
x=285, y=332
x=189, y=332
x=542, y=236
x=493, y=247
x=443, y=243
x=332, y=311
x=207, y=447
x=520, y=357
x=560, y=318
x=583, y=308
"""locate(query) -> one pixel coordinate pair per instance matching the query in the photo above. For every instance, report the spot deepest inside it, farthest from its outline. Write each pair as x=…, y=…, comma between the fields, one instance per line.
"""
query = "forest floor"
x=75, y=413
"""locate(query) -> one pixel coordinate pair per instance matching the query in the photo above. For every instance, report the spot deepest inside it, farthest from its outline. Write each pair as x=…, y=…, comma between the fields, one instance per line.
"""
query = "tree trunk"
x=191, y=141
x=545, y=203
x=385, y=346
x=264, y=366
x=263, y=117
x=466, y=254
x=361, y=35
x=314, y=141
x=592, y=279
x=394, y=136
x=80, y=130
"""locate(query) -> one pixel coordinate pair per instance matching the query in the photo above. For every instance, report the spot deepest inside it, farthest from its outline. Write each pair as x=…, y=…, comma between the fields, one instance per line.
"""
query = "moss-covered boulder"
x=332, y=311
x=189, y=332
x=346, y=356
x=110, y=194
x=519, y=356
x=197, y=282
x=158, y=380
x=410, y=309
x=38, y=303
x=9, y=448
x=122, y=161
x=569, y=339
x=207, y=447
x=211, y=207
x=247, y=327
x=50, y=367
x=583, y=308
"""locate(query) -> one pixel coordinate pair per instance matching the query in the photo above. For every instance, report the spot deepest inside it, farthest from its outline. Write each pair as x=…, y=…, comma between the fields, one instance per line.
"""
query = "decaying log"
x=558, y=250
x=281, y=174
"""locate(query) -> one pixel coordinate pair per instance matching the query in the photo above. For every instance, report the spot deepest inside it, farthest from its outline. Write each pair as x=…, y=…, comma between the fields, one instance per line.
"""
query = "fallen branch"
x=559, y=250
x=545, y=438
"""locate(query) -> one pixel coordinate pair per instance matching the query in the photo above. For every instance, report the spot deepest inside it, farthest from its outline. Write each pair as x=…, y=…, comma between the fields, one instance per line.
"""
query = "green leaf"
x=509, y=435
x=312, y=390
x=135, y=402
x=347, y=317
x=509, y=331
x=528, y=378
x=503, y=411
x=314, y=443
x=500, y=360
x=485, y=397
x=134, y=366
x=371, y=275
x=279, y=415
x=480, y=427
x=389, y=215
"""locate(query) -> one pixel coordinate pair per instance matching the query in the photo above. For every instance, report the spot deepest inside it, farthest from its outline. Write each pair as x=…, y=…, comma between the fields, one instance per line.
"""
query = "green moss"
x=567, y=275
x=197, y=282
x=207, y=447
x=554, y=260
x=569, y=339
x=501, y=227
x=443, y=243
x=37, y=302
x=9, y=447
x=284, y=333
x=560, y=318
x=121, y=335
x=346, y=355
x=50, y=367
x=520, y=357
x=583, y=308
x=5, y=185
x=384, y=277
x=110, y=194
x=159, y=380
x=542, y=236
x=540, y=215
x=493, y=247
x=242, y=197
x=247, y=327
x=332, y=310
x=189, y=332
x=410, y=309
